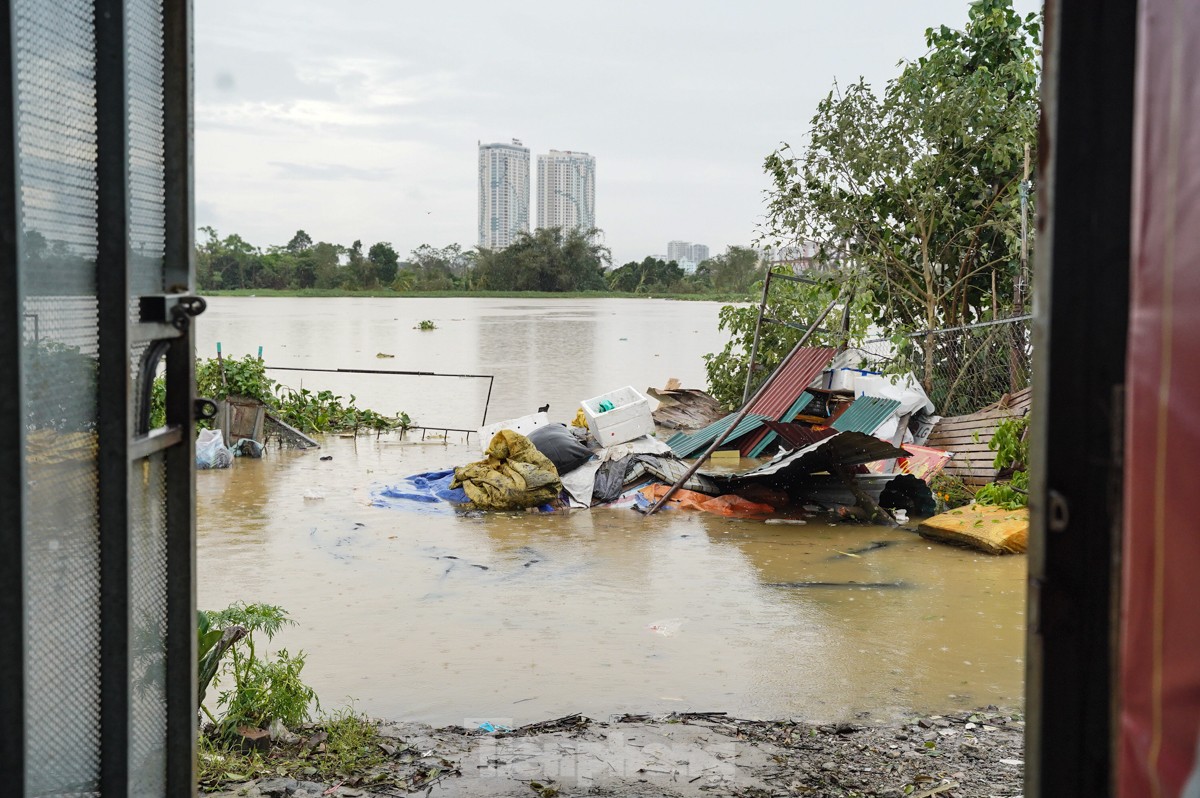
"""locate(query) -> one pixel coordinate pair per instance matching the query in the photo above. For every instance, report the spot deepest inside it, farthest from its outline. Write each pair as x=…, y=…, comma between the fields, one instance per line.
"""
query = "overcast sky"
x=361, y=119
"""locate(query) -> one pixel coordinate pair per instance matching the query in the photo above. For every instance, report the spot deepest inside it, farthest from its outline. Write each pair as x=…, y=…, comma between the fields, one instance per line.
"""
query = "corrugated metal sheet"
x=843, y=449
x=792, y=377
x=790, y=415
x=797, y=436
x=922, y=462
x=685, y=444
x=866, y=414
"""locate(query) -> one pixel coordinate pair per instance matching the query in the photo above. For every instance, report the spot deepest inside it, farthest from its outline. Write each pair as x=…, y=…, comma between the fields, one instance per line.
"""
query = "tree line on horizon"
x=546, y=260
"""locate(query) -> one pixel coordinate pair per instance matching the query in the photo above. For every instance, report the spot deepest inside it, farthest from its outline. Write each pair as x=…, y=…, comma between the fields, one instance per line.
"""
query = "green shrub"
x=263, y=689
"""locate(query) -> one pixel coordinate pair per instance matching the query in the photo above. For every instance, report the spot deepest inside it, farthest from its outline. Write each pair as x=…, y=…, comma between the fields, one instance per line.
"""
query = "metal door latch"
x=174, y=309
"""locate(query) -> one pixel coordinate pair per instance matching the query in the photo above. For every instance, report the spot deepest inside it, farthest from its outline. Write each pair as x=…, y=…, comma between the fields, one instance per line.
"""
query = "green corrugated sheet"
x=790, y=415
x=685, y=444
x=866, y=414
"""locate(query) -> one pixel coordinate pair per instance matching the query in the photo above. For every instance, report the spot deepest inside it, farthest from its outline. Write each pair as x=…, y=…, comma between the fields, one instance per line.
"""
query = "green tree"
x=301, y=242
x=385, y=261
x=548, y=259
x=651, y=275
x=914, y=192
x=327, y=264
x=735, y=271
x=436, y=269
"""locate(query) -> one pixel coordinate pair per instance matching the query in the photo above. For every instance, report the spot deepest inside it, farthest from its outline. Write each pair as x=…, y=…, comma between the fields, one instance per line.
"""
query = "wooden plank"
x=973, y=424
x=961, y=442
x=981, y=417
x=952, y=446
x=959, y=437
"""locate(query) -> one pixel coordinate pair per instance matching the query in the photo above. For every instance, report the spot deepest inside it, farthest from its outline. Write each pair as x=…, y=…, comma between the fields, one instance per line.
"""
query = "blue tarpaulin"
x=428, y=492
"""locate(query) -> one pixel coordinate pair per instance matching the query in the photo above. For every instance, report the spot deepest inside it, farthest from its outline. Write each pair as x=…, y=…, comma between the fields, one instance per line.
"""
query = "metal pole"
x=488, y=401
x=762, y=308
x=742, y=413
x=1020, y=287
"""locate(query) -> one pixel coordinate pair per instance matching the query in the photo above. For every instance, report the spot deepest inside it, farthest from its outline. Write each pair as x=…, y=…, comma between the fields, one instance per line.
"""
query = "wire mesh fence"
x=962, y=369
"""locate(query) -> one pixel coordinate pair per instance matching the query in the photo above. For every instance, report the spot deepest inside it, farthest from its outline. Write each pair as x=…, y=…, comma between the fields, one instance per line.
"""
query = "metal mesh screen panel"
x=144, y=66
x=148, y=625
x=148, y=498
x=56, y=153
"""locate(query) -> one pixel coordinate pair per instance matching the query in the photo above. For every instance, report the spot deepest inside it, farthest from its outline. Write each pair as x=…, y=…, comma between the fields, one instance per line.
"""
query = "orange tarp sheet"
x=729, y=505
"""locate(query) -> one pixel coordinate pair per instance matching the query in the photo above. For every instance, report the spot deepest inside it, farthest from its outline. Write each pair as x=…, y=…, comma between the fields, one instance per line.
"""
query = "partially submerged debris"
x=684, y=408
x=990, y=529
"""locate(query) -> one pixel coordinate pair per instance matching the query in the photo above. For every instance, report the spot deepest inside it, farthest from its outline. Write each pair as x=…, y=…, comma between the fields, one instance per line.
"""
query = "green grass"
x=352, y=750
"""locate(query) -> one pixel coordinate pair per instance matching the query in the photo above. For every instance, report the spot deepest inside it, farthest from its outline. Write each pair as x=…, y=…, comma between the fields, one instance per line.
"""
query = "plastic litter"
x=668, y=627
x=492, y=728
x=426, y=492
x=561, y=446
x=248, y=447
x=211, y=451
x=605, y=406
x=728, y=505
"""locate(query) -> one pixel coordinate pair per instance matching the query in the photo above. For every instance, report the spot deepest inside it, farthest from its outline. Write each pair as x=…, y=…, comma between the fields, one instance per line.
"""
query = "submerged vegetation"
x=306, y=410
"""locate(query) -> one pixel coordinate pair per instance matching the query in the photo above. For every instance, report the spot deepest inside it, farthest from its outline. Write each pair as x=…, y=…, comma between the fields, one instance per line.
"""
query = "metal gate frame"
x=121, y=438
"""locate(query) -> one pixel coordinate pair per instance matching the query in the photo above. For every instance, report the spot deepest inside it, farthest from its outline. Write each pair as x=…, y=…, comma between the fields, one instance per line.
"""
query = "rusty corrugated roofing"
x=790, y=415
x=866, y=414
x=797, y=436
x=792, y=377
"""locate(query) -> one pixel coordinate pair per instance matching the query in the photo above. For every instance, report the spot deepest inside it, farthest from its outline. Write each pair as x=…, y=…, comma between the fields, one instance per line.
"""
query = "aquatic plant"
x=304, y=409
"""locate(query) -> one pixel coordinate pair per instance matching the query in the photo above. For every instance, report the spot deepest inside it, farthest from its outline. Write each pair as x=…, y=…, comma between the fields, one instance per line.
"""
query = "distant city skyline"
x=358, y=120
x=687, y=254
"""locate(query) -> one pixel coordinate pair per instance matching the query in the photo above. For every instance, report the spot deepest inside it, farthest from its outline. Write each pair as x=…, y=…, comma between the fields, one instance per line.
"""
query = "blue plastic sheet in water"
x=428, y=492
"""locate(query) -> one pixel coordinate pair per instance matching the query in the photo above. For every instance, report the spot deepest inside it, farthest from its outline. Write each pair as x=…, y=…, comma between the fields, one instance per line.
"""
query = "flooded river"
x=440, y=617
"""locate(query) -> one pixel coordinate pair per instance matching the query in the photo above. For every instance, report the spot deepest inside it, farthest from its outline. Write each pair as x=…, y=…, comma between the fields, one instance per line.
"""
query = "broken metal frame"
x=762, y=309
x=491, y=378
x=720, y=439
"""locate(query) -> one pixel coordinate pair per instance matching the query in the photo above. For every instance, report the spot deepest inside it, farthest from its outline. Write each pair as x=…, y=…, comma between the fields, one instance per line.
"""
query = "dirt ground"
x=970, y=754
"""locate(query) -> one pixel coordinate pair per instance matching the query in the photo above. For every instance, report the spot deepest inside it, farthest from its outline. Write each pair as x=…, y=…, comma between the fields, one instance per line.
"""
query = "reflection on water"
x=540, y=351
x=442, y=617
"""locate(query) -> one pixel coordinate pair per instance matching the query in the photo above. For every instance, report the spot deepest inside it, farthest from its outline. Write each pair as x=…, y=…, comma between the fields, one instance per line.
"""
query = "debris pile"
x=856, y=445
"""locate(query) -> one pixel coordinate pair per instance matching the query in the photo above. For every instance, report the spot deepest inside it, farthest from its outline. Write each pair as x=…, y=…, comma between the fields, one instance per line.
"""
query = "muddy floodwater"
x=442, y=617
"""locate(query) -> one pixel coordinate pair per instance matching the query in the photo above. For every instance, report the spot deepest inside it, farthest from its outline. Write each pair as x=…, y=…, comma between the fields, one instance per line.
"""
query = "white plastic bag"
x=211, y=451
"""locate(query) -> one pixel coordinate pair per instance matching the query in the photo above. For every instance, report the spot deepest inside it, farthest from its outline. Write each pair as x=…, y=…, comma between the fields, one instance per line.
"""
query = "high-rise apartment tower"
x=503, y=193
x=566, y=190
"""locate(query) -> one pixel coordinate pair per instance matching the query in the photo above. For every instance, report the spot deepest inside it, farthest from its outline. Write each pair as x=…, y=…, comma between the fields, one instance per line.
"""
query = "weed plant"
x=306, y=410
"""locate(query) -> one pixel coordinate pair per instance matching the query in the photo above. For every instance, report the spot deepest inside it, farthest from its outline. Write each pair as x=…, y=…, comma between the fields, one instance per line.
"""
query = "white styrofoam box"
x=630, y=417
x=845, y=379
x=523, y=425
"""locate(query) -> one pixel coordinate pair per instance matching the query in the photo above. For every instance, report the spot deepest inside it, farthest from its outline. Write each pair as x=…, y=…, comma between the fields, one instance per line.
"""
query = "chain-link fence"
x=962, y=369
